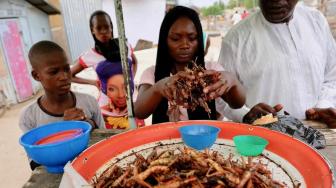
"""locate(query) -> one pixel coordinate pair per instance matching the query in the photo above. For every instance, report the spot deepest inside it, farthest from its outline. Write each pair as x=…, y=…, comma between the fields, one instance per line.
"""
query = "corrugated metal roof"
x=44, y=6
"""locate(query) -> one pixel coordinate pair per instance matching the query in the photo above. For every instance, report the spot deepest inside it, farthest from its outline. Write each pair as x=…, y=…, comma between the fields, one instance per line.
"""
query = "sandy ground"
x=14, y=170
x=14, y=167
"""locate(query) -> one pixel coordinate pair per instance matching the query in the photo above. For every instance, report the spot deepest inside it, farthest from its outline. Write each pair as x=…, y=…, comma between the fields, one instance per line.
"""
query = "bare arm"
x=135, y=64
x=149, y=96
x=207, y=45
x=77, y=68
x=235, y=96
x=148, y=99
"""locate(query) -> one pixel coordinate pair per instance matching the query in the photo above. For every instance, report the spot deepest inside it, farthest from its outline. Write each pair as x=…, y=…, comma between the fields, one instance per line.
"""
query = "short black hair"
x=100, y=13
x=42, y=48
x=110, y=52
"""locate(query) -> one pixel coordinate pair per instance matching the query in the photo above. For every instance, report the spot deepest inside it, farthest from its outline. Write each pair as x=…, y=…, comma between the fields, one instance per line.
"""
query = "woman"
x=106, y=49
x=180, y=42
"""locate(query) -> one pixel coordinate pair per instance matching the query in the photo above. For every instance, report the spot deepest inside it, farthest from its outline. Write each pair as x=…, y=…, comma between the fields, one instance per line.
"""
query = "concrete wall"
x=142, y=18
x=38, y=24
x=33, y=22
x=34, y=26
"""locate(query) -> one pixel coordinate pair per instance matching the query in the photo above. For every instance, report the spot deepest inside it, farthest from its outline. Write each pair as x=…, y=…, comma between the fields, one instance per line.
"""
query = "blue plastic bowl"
x=55, y=155
x=199, y=137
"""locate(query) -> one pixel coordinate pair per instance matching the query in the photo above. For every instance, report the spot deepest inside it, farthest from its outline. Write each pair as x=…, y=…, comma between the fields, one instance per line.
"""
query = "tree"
x=247, y=3
x=216, y=9
x=234, y=3
x=212, y=11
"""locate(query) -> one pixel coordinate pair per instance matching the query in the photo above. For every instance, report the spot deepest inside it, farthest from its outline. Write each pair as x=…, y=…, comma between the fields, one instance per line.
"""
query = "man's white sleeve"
x=228, y=59
x=327, y=96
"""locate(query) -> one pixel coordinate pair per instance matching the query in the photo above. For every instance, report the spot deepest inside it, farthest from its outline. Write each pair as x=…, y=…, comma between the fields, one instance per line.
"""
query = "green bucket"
x=248, y=145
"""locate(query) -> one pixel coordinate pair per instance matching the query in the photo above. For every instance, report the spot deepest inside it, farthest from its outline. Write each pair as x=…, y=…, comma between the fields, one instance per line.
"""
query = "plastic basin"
x=55, y=155
x=199, y=136
x=249, y=145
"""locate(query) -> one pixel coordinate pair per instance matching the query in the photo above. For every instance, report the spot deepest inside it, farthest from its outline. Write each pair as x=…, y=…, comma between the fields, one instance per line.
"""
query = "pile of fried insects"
x=189, y=93
x=185, y=167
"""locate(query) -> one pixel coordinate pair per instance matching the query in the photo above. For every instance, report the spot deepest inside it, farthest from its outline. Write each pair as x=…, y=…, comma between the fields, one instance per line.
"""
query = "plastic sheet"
x=294, y=127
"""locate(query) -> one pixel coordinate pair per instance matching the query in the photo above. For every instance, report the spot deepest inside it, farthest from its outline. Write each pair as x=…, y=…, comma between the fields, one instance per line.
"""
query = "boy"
x=51, y=68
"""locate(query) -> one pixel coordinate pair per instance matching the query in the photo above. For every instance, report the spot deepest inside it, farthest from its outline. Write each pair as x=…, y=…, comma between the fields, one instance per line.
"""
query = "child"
x=112, y=85
x=106, y=49
x=51, y=68
x=180, y=42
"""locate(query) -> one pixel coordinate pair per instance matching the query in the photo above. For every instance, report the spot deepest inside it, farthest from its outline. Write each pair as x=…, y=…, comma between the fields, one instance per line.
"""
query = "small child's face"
x=116, y=91
x=102, y=28
x=53, y=72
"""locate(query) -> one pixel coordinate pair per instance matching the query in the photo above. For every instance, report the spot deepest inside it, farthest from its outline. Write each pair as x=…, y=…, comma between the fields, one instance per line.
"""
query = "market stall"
x=40, y=178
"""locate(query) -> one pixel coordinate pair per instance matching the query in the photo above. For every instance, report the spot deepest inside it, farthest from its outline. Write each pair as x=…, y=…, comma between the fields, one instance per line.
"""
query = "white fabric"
x=293, y=64
x=236, y=18
x=72, y=179
x=147, y=77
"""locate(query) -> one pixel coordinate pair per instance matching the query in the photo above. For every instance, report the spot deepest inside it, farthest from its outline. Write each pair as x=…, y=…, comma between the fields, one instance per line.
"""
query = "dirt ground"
x=14, y=170
x=14, y=167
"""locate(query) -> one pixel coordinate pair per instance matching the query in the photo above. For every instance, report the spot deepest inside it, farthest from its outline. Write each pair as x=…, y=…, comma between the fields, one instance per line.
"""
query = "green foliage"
x=246, y=3
x=216, y=9
x=234, y=3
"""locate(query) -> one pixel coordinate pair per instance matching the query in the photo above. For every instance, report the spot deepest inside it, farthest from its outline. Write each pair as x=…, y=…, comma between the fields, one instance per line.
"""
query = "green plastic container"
x=249, y=145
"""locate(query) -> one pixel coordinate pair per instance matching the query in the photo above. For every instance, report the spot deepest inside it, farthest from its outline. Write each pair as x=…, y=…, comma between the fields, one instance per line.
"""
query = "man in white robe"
x=285, y=57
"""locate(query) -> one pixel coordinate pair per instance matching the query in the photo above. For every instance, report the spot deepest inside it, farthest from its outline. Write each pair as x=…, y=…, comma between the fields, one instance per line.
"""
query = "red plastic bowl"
x=59, y=137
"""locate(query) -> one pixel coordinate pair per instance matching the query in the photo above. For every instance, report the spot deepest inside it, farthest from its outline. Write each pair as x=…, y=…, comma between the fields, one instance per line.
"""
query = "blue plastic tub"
x=199, y=136
x=55, y=155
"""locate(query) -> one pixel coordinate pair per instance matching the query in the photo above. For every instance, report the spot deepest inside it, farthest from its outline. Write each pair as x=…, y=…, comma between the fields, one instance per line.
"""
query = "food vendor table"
x=40, y=178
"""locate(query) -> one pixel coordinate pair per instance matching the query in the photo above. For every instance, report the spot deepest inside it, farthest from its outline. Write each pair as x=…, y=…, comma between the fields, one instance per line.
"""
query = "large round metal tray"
x=290, y=160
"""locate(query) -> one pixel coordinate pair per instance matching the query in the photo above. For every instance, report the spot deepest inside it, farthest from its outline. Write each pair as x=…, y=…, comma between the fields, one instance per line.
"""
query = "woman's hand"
x=226, y=86
x=222, y=86
x=167, y=86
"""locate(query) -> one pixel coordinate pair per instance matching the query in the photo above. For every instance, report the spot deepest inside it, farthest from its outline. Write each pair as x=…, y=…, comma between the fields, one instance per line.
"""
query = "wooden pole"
x=124, y=62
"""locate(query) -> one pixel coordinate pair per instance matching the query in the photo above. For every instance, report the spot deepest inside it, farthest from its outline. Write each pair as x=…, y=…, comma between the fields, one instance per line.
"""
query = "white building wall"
x=33, y=22
x=142, y=18
x=38, y=24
